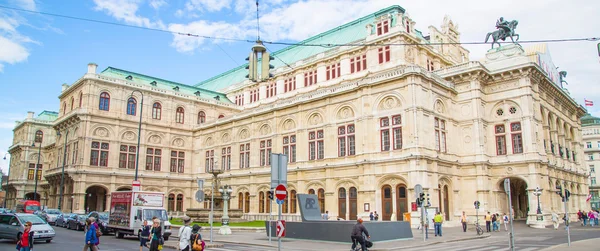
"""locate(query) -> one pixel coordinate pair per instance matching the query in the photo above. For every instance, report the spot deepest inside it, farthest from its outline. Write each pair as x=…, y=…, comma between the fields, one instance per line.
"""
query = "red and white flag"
x=589, y=102
x=588, y=198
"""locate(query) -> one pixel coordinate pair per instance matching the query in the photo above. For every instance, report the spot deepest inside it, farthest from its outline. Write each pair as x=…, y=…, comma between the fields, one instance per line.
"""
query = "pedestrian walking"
x=596, y=215
x=494, y=223
x=326, y=215
x=463, y=221
x=357, y=235
x=185, y=234
x=90, y=236
x=584, y=216
x=488, y=222
x=371, y=217
x=580, y=217
x=555, y=220
x=505, y=219
x=591, y=218
x=196, y=239
x=97, y=227
x=438, y=219
x=26, y=241
x=144, y=235
x=376, y=216
x=155, y=236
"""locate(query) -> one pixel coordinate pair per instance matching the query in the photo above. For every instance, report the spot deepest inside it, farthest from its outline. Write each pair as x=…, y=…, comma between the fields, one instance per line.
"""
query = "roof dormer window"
x=383, y=27
x=129, y=77
x=153, y=83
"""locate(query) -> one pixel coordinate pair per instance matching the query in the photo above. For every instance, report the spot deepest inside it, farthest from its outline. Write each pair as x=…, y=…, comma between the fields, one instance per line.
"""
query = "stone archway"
x=95, y=199
x=30, y=196
x=124, y=188
x=519, y=197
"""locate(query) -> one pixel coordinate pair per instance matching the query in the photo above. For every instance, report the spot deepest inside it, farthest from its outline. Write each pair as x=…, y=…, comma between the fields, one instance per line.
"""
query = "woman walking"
x=155, y=235
x=145, y=234
x=90, y=236
x=26, y=241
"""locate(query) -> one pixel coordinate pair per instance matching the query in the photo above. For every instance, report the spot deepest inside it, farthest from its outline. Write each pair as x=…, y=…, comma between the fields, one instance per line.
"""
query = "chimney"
x=64, y=87
x=92, y=68
x=30, y=115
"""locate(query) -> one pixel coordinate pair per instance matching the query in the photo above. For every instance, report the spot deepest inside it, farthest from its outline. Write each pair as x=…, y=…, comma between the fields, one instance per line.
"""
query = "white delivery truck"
x=129, y=209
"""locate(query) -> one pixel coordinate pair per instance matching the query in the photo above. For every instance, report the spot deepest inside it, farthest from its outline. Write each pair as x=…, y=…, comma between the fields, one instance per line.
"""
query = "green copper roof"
x=48, y=116
x=164, y=84
x=588, y=120
x=350, y=32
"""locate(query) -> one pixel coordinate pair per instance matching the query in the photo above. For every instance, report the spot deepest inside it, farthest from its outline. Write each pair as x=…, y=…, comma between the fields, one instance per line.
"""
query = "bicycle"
x=357, y=246
x=478, y=228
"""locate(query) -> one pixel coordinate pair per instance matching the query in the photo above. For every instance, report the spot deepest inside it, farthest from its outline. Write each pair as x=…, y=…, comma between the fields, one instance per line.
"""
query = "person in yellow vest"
x=488, y=222
x=438, y=219
x=463, y=221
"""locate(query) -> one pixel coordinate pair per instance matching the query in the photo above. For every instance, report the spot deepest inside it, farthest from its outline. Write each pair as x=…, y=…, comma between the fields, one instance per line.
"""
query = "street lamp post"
x=7, y=177
x=62, y=176
x=37, y=165
x=137, y=155
x=537, y=192
x=215, y=173
x=225, y=191
x=72, y=202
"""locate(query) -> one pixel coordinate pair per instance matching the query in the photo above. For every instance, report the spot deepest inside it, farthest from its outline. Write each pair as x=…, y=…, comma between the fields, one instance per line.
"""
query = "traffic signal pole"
x=567, y=222
x=269, y=197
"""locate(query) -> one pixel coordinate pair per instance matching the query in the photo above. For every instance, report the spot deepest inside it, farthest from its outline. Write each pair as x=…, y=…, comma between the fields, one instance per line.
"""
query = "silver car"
x=50, y=215
x=13, y=225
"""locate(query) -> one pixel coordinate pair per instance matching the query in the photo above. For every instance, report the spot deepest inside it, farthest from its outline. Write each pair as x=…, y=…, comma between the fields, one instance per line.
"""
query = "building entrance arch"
x=519, y=197
x=95, y=199
x=30, y=196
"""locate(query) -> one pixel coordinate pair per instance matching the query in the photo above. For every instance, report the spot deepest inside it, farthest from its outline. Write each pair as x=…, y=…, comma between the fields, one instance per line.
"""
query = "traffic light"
x=567, y=194
x=270, y=194
x=428, y=202
x=560, y=191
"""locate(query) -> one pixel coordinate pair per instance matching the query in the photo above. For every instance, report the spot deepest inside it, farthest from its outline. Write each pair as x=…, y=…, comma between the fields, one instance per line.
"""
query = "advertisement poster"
x=120, y=204
x=148, y=199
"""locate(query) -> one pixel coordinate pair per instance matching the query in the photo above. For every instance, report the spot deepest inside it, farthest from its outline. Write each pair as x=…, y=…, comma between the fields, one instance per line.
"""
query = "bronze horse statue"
x=502, y=34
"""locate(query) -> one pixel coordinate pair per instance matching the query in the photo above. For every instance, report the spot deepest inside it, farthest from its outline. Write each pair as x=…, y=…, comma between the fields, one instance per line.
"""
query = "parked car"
x=77, y=222
x=61, y=220
x=50, y=215
x=13, y=225
x=102, y=220
x=3, y=210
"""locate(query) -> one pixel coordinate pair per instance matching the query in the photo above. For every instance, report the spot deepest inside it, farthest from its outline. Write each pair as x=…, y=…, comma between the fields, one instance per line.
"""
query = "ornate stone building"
x=362, y=125
x=591, y=142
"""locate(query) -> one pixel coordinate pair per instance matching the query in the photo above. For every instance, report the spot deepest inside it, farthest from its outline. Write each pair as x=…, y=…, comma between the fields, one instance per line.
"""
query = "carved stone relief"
x=244, y=134
x=101, y=131
x=265, y=129
x=225, y=138
x=130, y=136
x=345, y=113
x=155, y=139
x=289, y=125
x=389, y=103
x=178, y=142
x=315, y=119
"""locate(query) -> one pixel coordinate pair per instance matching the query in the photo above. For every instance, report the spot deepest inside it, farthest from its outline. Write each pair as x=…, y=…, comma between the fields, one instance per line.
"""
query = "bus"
x=28, y=206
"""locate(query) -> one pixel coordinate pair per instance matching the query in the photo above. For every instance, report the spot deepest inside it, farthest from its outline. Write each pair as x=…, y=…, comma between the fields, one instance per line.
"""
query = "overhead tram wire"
x=326, y=45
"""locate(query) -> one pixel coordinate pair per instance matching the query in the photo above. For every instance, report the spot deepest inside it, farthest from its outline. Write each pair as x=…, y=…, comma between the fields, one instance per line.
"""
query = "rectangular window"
x=440, y=134
x=289, y=147
x=316, y=145
x=310, y=78
x=588, y=145
x=127, y=157
x=209, y=161
x=429, y=65
x=177, y=162
x=99, y=154
x=153, y=159
x=592, y=170
x=68, y=154
x=390, y=133
x=75, y=150
x=358, y=63
x=254, y=95
x=289, y=84
x=383, y=27
x=593, y=181
x=384, y=54
x=517, y=139
x=598, y=144
x=265, y=152
x=346, y=140
x=245, y=155
x=271, y=90
x=591, y=156
x=31, y=171
x=333, y=71
x=226, y=158
x=500, y=132
x=239, y=99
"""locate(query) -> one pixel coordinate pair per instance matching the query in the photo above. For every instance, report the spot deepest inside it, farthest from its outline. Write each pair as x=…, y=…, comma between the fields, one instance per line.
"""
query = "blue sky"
x=38, y=53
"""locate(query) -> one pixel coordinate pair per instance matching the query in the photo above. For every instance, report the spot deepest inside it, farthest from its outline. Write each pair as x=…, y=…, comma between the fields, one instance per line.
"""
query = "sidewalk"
x=589, y=244
x=259, y=238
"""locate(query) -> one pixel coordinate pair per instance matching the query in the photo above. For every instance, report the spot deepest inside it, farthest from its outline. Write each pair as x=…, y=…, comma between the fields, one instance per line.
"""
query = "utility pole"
x=512, y=230
x=565, y=199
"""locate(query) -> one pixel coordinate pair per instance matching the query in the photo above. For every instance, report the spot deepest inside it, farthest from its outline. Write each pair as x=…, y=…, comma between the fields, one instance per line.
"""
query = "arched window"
x=156, y=110
x=221, y=116
x=80, y=99
x=104, y=101
x=201, y=117
x=171, y=203
x=241, y=201
x=321, y=196
x=284, y=207
x=293, y=202
x=180, y=203
x=72, y=102
x=179, y=115
x=247, y=202
x=311, y=191
x=261, y=202
x=131, y=106
x=39, y=136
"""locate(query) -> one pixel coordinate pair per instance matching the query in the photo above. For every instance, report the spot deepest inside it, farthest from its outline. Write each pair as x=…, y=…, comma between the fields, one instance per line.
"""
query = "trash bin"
x=407, y=217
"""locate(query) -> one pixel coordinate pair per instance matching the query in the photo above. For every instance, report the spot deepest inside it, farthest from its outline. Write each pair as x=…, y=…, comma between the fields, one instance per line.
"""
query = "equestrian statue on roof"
x=505, y=30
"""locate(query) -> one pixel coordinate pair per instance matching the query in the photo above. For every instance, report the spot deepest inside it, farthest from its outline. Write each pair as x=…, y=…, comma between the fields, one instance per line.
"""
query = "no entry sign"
x=280, y=192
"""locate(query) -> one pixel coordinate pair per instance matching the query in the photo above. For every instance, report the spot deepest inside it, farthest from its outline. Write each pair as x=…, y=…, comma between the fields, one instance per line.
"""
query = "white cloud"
x=189, y=44
x=27, y=4
x=207, y=5
x=12, y=43
x=126, y=10
x=157, y=4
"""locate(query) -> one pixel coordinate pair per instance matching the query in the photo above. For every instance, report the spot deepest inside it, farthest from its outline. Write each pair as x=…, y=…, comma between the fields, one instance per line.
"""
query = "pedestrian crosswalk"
x=483, y=246
x=234, y=247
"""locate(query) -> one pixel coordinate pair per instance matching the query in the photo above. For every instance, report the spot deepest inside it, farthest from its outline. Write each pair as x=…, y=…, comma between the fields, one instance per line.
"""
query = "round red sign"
x=280, y=192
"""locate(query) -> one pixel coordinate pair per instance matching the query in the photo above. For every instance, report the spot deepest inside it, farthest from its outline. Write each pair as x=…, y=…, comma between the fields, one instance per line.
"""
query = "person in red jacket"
x=26, y=241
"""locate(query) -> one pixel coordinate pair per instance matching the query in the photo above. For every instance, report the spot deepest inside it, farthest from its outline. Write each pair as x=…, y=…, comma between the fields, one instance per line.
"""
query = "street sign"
x=476, y=204
x=280, y=202
x=199, y=196
x=280, y=192
x=418, y=190
x=136, y=185
x=279, y=164
x=507, y=185
x=200, y=184
x=280, y=228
